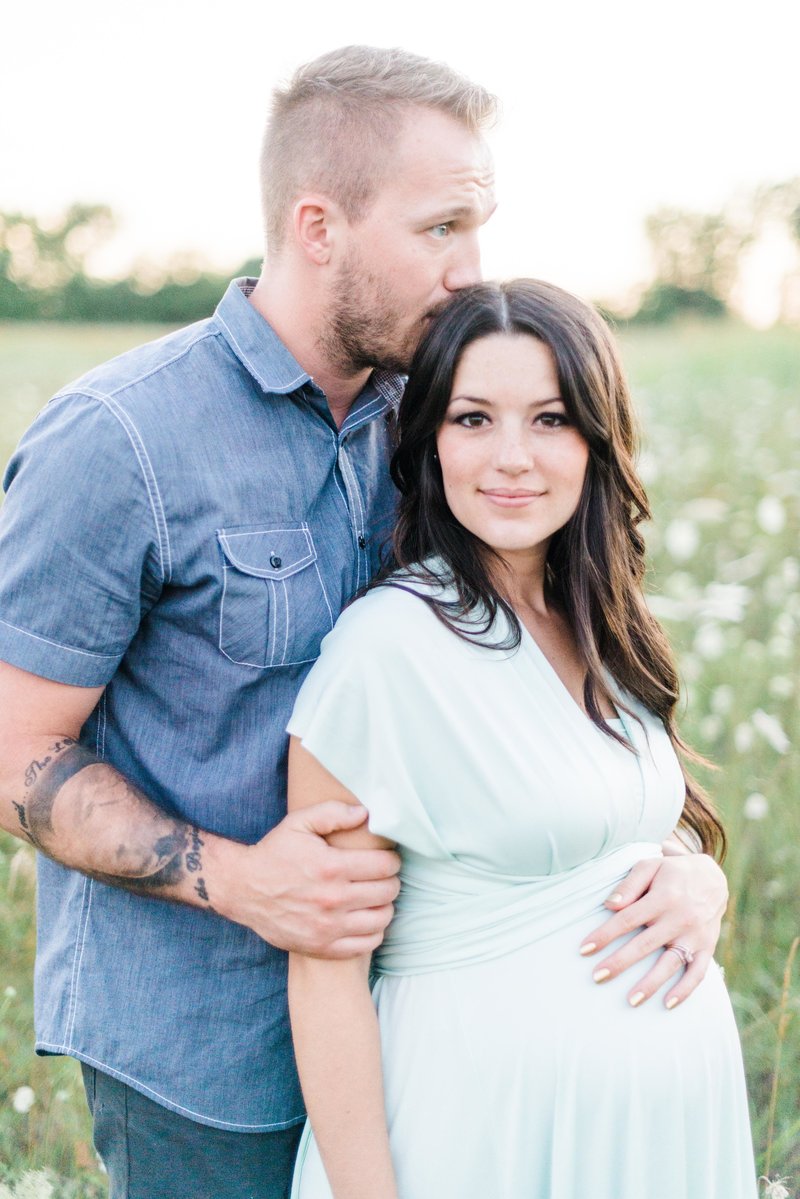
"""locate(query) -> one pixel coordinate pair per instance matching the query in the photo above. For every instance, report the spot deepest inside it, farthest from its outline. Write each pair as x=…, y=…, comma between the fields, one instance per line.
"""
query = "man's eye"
x=440, y=231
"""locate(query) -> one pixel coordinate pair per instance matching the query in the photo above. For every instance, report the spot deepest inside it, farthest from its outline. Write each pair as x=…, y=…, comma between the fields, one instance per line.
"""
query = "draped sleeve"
x=364, y=711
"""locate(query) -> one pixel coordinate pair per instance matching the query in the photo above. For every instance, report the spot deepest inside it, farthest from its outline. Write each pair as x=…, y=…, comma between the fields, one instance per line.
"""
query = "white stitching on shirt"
x=86, y=904
x=159, y=517
x=245, y=358
x=87, y=653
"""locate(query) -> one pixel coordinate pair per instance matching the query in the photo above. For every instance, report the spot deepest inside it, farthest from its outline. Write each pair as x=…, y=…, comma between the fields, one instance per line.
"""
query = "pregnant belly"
x=536, y=1014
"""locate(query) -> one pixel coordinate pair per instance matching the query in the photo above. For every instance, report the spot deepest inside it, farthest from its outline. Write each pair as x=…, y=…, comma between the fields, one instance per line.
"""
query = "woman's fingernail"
x=672, y=1002
x=589, y=947
x=636, y=999
x=600, y=976
x=615, y=898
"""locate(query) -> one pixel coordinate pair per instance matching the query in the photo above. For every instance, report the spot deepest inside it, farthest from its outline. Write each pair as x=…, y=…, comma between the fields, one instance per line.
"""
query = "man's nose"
x=464, y=268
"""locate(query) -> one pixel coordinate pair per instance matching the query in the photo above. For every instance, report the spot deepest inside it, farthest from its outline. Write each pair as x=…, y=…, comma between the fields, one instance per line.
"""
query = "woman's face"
x=512, y=463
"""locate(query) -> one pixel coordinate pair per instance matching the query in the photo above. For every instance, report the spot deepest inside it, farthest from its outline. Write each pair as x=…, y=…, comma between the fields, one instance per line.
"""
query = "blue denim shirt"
x=183, y=526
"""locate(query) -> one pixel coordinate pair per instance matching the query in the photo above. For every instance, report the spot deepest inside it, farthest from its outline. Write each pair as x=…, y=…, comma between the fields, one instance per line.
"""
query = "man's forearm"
x=85, y=814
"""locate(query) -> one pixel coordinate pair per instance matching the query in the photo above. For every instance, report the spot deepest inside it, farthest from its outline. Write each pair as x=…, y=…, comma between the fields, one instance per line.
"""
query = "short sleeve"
x=352, y=714
x=80, y=556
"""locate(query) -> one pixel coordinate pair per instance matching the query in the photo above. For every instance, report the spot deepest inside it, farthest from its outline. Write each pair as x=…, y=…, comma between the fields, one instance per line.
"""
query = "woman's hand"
x=676, y=900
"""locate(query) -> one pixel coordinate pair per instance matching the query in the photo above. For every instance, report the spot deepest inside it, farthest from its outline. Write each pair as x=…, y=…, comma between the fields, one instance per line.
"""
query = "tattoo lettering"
x=34, y=770
x=193, y=862
x=23, y=819
x=58, y=746
x=45, y=785
x=200, y=888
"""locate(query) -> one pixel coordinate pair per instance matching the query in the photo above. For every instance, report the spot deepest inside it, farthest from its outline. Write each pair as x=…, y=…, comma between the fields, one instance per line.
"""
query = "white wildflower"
x=722, y=699
x=756, y=806
x=781, y=687
x=710, y=727
x=709, y=642
x=648, y=468
x=23, y=1099
x=62, y=1096
x=780, y=647
x=682, y=539
x=707, y=510
x=771, y=514
x=790, y=570
x=10, y=992
x=665, y=608
x=34, y=1184
x=725, y=601
x=743, y=737
x=785, y=625
x=742, y=569
x=770, y=729
x=775, y=1188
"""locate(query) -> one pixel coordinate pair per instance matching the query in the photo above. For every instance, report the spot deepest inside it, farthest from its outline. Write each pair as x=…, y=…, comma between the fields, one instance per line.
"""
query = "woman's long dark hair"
x=595, y=563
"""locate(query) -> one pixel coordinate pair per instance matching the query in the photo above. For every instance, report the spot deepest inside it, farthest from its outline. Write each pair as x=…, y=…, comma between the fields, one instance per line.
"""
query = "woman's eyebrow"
x=470, y=399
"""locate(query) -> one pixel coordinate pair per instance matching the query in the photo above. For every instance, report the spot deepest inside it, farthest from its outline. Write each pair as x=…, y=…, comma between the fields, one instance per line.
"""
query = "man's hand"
x=675, y=900
x=302, y=894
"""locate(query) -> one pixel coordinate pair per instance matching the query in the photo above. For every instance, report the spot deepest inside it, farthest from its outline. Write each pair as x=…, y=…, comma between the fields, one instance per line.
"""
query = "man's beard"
x=363, y=329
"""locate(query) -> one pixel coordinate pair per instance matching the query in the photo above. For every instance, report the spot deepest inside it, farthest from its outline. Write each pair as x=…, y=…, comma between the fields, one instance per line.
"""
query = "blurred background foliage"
x=697, y=261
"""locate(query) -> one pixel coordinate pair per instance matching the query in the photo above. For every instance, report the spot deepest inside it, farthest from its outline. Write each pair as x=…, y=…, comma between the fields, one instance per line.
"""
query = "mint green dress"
x=509, y=1073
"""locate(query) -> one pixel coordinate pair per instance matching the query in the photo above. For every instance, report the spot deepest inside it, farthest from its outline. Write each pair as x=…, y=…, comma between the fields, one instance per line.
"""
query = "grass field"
x=721, y=459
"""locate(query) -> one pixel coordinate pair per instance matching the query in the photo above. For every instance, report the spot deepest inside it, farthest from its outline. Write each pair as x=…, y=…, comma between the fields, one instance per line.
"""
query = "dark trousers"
x=153, y=1153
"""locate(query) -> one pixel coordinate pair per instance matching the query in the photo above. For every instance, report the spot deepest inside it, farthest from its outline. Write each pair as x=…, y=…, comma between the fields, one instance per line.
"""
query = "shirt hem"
x=44, y=1049
x=51, y=660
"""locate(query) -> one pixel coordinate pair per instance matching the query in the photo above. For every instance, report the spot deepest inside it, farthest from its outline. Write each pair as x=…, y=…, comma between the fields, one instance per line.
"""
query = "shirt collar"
x=258, y=347
x=255, y=343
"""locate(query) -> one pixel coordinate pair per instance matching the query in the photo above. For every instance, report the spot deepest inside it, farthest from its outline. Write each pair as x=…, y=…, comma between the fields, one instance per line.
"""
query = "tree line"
x=697, y=258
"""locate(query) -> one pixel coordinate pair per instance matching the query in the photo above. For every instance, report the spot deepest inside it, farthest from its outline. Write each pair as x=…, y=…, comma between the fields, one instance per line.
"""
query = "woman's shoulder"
x=400, y=602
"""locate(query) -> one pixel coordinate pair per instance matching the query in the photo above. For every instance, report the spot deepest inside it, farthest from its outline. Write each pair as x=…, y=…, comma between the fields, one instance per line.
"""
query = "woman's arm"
x=335, y=1030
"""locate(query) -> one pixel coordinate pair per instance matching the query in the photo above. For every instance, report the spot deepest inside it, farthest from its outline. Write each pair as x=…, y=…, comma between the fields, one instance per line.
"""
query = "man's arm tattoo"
x=154, y=851
x=44, y=779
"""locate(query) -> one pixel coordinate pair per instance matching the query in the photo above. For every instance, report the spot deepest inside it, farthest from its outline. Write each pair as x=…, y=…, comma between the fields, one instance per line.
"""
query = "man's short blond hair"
x=333, y=127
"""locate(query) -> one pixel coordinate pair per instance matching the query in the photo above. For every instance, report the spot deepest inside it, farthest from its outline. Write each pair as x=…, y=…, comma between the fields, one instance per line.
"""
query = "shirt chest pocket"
x=274, y=609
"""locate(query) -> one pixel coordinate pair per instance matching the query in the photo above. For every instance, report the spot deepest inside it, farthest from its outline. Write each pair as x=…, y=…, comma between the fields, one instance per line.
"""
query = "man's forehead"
x=444, y=163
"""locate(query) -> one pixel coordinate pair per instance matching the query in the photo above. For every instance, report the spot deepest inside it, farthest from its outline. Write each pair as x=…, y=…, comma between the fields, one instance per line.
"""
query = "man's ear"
x=315, y=222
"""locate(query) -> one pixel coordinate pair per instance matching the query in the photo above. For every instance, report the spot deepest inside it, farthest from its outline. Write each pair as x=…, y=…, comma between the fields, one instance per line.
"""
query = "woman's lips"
x=510, y=498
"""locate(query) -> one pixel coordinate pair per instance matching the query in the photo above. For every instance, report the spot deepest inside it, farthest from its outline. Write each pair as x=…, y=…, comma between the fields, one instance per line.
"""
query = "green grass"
x=721, y=408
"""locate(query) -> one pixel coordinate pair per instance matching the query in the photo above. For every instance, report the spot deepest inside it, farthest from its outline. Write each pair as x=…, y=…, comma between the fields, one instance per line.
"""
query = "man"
x=181, y=529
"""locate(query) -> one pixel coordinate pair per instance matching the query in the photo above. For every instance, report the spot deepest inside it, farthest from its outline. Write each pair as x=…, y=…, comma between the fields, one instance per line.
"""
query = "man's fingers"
x=372, y=894
x=362, y=865
x=327, y=817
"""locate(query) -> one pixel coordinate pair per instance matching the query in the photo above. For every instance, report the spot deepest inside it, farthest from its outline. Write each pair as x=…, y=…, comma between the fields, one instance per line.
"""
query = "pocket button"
x=362, y=542
x=275, y=562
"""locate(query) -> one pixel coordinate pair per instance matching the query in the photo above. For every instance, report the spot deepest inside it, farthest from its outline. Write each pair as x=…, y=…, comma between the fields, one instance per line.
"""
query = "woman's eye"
x=471, y=420
x=553, y=420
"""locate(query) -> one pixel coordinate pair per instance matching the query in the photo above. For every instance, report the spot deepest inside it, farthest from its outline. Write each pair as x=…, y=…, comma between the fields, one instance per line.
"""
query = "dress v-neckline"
x=568, y=698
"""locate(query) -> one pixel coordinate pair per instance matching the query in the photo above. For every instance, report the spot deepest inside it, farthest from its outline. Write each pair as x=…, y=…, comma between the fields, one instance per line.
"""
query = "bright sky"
x=610, y=110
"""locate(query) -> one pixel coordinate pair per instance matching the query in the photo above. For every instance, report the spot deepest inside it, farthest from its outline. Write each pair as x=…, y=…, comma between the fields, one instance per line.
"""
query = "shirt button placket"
x=356, y=507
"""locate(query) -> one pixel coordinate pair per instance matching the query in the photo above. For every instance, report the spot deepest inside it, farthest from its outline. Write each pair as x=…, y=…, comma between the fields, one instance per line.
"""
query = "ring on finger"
x=686, y=955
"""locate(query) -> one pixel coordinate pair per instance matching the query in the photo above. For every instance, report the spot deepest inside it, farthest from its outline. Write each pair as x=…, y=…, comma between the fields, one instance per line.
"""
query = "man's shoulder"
x=146, y=366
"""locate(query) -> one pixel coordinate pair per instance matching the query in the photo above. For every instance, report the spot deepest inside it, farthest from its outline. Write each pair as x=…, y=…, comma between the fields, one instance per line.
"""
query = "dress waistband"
x=450, y=914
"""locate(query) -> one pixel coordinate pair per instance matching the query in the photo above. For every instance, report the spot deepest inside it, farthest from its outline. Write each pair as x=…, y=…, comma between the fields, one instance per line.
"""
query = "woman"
x=503, y=707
